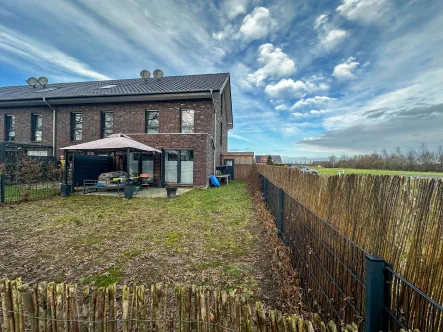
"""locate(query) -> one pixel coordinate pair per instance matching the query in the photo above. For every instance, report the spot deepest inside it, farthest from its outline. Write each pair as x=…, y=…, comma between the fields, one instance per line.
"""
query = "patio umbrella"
x=112, y=143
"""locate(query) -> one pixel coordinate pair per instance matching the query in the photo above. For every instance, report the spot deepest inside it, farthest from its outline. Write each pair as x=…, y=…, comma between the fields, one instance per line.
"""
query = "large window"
x=36, y=127
x=187, y=121
x=76, y=126
x=152, y=123
x=179, y=166
x=107, y=123
x=9, y=127
x=140, y=163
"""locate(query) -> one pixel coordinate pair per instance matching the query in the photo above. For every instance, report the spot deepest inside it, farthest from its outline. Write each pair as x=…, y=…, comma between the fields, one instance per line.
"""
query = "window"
x=187, y=121
x=221, y=133
x=107, y=124
x=152, y=123
x=76, y=126
x=9, y=128
x=36, y=127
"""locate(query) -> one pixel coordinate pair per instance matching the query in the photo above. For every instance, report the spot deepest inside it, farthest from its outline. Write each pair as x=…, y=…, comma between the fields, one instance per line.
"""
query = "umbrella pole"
x=66, y=166
x=127, y=162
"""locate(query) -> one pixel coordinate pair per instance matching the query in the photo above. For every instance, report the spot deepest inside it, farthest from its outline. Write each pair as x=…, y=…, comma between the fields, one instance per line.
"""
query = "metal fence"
x=344, y=280
x=26, y=178
x=13, y=190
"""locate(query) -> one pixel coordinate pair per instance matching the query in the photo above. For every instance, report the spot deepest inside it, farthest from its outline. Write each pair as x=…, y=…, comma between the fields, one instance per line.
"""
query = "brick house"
x=181, y=115
x=263, y=159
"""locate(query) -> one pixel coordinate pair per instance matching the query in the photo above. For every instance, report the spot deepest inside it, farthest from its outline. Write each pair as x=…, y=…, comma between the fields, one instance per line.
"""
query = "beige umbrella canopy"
x=112, y=143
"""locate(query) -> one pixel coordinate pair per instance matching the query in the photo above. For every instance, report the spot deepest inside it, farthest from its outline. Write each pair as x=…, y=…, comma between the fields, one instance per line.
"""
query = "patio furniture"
x=223, y=178
x=106, y=181
x=144, y=180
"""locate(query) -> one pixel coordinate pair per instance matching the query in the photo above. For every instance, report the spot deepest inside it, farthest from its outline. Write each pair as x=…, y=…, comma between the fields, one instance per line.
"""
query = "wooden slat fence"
x=242, y=172
x=50, y=307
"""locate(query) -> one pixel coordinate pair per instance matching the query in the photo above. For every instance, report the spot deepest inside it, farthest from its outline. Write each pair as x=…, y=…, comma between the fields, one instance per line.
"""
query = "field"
x=206, y=237
x=334, y=171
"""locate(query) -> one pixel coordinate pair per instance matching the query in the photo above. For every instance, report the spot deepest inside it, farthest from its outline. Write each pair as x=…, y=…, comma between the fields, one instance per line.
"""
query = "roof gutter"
x=53, y=125
x=107, y=99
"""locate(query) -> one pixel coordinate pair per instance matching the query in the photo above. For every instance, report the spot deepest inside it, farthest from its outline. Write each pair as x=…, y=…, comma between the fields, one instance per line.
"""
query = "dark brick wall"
x=23, y=124
x=129, y=118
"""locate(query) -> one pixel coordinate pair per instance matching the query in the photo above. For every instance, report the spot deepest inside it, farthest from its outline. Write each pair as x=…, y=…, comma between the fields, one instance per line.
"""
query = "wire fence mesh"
x=333, y=269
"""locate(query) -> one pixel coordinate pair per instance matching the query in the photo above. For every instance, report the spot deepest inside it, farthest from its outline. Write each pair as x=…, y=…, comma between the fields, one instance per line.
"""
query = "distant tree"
x=439, y=155
x=269, y=161
x=411, y=160
x=332, y=160
x=426, y=157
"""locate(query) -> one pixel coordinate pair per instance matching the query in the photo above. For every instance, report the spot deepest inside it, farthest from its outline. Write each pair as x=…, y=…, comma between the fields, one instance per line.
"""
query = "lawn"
x=206, y=237
x=25, y=193
x=334, y=171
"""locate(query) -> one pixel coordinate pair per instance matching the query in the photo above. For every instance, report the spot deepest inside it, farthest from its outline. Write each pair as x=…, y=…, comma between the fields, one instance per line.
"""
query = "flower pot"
x=129, y=191
x=171, y=192
x=65, y=190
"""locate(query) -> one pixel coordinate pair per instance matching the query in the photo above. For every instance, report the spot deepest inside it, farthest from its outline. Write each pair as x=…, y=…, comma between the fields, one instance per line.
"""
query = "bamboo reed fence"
x=51, y=307
x=397, y=218
x=242, y=172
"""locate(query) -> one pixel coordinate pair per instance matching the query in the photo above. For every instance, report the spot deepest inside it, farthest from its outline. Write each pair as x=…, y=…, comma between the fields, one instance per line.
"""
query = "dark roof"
x=137, y=86
x=276, y=158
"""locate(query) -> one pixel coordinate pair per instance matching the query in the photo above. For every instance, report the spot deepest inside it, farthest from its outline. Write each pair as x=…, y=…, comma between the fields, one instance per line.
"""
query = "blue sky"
x=309, y=78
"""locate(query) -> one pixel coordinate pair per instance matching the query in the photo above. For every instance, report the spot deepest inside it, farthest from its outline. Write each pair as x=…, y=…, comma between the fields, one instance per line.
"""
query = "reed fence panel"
x=397, y=218
x=54, y=307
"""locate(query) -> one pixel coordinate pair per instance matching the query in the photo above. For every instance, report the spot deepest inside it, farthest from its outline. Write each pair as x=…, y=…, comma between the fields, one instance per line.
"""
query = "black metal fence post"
x=265, y=190
x=2, y=188
x=377, y=295
x=280, y=213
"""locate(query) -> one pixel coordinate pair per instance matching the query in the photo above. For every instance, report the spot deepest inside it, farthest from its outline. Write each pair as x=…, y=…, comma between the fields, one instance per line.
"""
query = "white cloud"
x=276, y=63
x=365, y=11
x=233, y=8
x=333, y=38
x=228, y=31
x=231, y=135
x=281, y=107
x=320, y=22
x=257, y=24
x=25, y=49
x=317, y=100
x=345, y=71
x=313, y=87
x=286, y=88
x=318, y=112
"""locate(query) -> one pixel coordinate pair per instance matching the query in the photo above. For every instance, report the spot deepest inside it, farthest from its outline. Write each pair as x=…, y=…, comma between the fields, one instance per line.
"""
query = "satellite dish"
x=158, y=73
x=42, y=81
x=32, y=81
x=145, y=74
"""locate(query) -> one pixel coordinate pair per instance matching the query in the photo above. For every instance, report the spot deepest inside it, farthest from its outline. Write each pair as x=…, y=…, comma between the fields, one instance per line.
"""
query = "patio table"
x=225, y=177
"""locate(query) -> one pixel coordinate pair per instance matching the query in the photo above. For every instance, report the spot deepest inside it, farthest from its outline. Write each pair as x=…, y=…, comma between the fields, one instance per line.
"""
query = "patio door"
x=178, y=166
x=141, y=163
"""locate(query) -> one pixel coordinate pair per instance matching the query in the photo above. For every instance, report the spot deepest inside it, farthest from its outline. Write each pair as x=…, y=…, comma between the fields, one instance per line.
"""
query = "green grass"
x=334, y=171
x=22, y=193
x=206, y=237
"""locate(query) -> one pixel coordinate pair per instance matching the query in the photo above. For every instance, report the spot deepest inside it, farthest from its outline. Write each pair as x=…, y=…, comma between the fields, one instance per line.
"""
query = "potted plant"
x=171, y=190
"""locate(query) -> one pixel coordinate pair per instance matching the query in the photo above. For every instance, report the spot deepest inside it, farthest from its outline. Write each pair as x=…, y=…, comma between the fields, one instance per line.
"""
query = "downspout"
x=214, y=138
x=53, y=126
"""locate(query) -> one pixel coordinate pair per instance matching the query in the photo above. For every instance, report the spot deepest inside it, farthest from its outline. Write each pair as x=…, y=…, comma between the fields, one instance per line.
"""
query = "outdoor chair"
x=105, y=181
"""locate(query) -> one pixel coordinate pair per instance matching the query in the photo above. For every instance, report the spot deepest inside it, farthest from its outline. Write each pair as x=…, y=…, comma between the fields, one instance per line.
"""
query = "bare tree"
x=439, y=155
x=332, y=160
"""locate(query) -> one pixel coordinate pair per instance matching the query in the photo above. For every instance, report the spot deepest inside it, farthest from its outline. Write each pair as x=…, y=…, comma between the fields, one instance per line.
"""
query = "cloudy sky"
x=309, y=77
